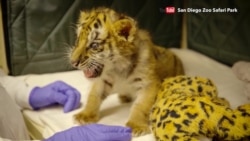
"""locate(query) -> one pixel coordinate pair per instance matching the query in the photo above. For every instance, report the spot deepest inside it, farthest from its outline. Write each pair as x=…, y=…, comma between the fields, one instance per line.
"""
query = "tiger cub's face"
x=102, y=35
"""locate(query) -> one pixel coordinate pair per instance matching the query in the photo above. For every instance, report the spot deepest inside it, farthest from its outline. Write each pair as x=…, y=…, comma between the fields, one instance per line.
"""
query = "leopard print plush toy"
x=188, y=107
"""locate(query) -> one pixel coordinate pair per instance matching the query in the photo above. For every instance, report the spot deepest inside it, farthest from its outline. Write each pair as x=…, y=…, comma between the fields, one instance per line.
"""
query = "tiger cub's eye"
x=94, y=45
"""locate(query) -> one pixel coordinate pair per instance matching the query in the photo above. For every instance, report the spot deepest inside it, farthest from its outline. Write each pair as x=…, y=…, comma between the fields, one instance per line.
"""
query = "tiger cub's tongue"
x=89, y=73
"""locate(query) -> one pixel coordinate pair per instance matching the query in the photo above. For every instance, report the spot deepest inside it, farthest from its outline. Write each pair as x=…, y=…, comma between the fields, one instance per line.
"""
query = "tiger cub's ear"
x=125, y=29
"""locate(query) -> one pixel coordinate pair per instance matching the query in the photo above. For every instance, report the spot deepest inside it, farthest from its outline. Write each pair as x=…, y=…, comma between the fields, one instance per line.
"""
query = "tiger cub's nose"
x=75, y=63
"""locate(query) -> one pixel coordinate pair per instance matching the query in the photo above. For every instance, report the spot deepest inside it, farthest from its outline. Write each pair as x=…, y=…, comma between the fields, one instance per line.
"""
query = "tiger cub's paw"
x=138, y=129
x=86, y=117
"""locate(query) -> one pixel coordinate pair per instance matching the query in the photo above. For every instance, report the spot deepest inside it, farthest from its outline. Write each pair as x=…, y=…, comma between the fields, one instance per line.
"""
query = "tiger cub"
x=120, y=58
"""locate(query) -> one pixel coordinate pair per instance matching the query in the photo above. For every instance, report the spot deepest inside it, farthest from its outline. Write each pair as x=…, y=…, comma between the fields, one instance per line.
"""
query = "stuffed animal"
x=187, y=108
x=242, y=71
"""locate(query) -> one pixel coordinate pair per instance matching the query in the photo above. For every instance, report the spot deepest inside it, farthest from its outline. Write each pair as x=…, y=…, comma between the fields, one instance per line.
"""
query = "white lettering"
x=181, y=10
x=219, y=9
x=232, y=10
x=193, y=10
x=206, y=10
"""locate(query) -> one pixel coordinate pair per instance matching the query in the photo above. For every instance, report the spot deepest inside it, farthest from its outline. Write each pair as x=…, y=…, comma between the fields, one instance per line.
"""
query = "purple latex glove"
x=93, y=132
x=55, y=93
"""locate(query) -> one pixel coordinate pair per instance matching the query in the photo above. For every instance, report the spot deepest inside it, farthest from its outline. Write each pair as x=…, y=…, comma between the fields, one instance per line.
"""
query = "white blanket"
x=51, y=120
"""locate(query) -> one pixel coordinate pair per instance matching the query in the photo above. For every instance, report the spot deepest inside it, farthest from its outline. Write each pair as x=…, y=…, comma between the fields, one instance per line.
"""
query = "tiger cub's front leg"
x=90, y=114
x=139, y=115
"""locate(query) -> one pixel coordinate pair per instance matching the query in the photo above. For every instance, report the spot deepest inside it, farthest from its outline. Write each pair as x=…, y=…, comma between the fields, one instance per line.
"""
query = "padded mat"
x=51, y=120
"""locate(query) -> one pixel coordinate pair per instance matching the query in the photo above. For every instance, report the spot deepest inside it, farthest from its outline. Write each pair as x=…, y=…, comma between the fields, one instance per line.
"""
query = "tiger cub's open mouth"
x=93, y=71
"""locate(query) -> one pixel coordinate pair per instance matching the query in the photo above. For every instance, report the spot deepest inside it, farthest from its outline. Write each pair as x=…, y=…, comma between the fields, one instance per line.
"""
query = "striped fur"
x=120, y=58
